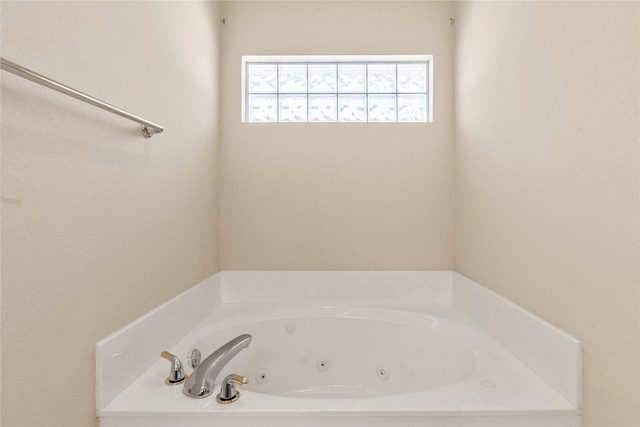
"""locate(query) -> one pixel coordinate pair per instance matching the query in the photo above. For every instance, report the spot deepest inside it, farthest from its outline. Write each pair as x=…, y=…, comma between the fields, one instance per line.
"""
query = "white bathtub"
x=376, y=363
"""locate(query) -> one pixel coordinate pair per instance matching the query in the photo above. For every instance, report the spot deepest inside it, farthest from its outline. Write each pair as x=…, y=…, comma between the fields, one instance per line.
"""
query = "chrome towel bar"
x=148, y=128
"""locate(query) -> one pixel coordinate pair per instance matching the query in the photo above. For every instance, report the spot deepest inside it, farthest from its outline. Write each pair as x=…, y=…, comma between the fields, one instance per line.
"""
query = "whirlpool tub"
x=379, y=363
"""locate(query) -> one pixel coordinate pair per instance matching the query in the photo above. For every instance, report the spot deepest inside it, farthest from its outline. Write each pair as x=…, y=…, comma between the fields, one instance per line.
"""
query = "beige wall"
x=547, y=103
x=336, y=196
x=99, y=225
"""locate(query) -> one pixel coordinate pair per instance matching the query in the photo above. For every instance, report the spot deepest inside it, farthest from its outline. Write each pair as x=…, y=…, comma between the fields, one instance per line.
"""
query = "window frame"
x=335, y=59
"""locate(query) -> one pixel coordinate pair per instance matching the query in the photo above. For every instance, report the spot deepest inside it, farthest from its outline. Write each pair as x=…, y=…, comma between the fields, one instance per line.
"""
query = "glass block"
x=382, y=108
x=293, y=108
x=412, y=78
x=382, y=78
x=263, y=78
x=323, y=78
x=322, y=108
x=263, y=108
x=352, y=108
x=293, y=78
x=352, y=78
x=412, y=108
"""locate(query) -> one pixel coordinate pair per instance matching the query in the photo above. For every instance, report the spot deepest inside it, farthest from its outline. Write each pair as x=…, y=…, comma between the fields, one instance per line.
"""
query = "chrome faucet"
x=200, y=383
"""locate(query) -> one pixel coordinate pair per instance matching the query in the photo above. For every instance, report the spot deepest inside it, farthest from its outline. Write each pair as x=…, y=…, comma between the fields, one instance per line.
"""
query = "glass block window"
x=337, y=88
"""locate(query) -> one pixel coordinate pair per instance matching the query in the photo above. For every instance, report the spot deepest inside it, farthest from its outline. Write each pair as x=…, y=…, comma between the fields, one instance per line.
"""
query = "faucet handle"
x=176, y=374
x=236, y=379
x=228, y=392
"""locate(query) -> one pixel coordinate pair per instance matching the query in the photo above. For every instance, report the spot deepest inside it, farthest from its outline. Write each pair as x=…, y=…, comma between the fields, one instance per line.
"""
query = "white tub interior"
x=334, y=352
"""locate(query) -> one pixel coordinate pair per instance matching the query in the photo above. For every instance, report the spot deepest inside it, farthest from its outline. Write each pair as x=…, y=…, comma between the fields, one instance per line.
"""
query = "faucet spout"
x=200, y=383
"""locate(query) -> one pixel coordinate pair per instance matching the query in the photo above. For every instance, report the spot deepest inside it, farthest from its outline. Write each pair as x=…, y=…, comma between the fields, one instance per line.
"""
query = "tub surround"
x=535, y=378
x=551, y=353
